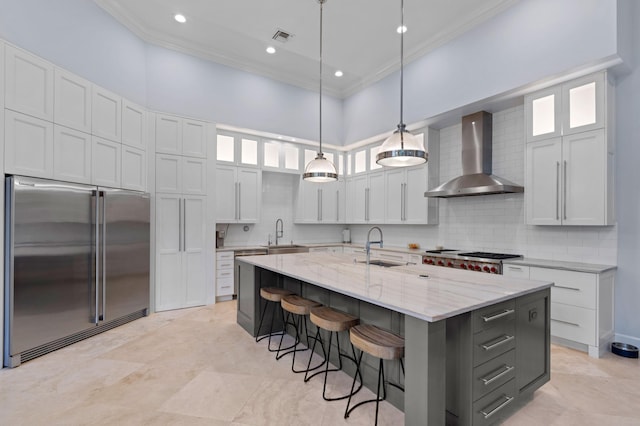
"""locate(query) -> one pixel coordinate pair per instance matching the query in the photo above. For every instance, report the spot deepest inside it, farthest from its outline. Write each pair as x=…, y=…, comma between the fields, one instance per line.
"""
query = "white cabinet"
x=581, y=306
x=106, y=119
x=180, y=251
x=573, y=107
x=72, y=101
x=134, y=125
x=238, y=149
x=281, y=157
x=28, y=84
x=28, y=145
x=134, y=168
x=178, y=174
x=569, y=180
x=238, y=191
x=71, y=155
x=321, y=202
x=406, y=203
x=106, y=162
x=181, y=136
x=224, y=275
x=366, y=198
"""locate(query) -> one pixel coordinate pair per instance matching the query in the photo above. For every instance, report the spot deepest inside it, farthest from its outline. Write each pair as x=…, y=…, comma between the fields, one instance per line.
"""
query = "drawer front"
x=493, y=374
x=224, y=286
x=573, y=323
x=493, y=341
x=493, y=407
x=224, y=255
x=516, y=271
x=570, y=288
x=224, y=264
x=494, y=315
x=224, y=273
x=397, y=257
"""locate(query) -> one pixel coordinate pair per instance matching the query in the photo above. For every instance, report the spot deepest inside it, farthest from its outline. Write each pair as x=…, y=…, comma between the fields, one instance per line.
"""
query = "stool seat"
x=274, y=294
x=298, y=305
x=377, y=342
x=332, y=320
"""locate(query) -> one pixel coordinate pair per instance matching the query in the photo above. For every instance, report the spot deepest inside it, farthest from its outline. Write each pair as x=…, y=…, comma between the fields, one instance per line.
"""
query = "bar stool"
x=332, y=320
x=274, y=295
x=300, y=307
x=379, y=343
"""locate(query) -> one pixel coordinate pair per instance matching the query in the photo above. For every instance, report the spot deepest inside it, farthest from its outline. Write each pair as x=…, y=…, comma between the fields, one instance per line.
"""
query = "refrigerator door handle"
x=104, y=254
x=97, y=254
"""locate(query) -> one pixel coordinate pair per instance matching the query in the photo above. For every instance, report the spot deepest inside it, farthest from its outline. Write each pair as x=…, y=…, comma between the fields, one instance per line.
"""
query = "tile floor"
x=197, y=367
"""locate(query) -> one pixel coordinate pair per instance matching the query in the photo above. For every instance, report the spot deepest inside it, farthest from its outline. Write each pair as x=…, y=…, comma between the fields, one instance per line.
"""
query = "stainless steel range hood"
x=476, y=176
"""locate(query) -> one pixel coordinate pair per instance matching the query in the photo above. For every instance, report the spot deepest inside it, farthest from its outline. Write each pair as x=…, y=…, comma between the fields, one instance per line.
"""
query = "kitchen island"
x=476, y=345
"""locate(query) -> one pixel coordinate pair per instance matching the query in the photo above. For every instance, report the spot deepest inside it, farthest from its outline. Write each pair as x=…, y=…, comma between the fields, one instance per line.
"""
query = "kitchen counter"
x=567, y=266
x=459, y=327
x=429, y=293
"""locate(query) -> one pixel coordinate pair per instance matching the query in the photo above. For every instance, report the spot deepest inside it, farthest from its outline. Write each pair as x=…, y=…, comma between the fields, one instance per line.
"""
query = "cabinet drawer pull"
x=507, y=401
x=566, y=288
x=496, y=316
x=514, y=268
x=506, y=339
x=225, y=286
x=506, y=369
x=566, y=322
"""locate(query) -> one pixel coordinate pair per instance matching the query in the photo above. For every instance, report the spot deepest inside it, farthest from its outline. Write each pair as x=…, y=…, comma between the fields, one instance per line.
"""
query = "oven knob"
x=430, y=261
x=478, y=268
x=493, y=269
x=463, y=266
x=440, y=263
x=450, y=264
x=486, y=269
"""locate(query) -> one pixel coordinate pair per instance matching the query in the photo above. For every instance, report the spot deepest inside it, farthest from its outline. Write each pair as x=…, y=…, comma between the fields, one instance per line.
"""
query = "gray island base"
x=476, y=345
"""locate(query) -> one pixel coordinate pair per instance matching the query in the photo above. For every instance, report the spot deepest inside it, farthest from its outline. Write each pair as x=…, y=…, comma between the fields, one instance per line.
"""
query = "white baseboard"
x=623, y=338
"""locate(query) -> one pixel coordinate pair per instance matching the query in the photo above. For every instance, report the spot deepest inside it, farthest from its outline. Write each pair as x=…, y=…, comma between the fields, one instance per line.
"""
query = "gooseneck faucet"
x=367, y=246
x=279, y=231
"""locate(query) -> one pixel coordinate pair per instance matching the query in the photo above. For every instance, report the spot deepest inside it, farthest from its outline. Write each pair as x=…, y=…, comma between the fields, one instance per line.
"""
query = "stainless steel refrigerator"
x=76, y=263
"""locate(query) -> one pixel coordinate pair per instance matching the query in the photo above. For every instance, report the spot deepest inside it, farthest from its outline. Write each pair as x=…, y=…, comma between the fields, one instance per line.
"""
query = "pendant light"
x=401, y=149
x=320, y=169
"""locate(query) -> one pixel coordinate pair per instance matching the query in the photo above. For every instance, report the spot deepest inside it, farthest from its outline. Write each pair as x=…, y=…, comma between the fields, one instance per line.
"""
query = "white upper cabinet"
x=106, y=163
x=321, y=202
x=72, y=105
x=134, y=125
x=238, y=194
x=134, y=168
x=181, y=136
x=71, y=155
x=573, y=107
x=180, y=175
x=28, y=145
x=406, y=203
x=366, y=198
x=106, y=116
x=29, y=84
x=281, y=157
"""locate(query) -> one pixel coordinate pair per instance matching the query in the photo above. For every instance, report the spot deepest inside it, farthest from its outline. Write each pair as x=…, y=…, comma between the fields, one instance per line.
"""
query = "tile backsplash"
x=487, y=223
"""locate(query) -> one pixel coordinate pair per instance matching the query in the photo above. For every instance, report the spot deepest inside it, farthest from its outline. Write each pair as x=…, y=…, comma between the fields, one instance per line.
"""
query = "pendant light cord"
x=320, y=107
x=401, y=125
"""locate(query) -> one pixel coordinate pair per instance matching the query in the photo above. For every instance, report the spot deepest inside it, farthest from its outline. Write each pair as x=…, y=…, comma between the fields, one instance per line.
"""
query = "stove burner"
x=496, y=256
x=440, y=251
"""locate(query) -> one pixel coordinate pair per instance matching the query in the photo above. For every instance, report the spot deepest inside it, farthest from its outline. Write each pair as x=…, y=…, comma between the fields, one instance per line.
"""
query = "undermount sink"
x=287, y=248
x=383, y=263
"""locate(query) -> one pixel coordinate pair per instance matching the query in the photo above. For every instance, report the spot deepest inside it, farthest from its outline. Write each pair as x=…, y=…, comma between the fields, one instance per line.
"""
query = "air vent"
x=282, y=36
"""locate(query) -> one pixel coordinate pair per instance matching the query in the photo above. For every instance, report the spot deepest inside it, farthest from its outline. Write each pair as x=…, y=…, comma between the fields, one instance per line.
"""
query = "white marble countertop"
x=592, y=268
x=426, y=292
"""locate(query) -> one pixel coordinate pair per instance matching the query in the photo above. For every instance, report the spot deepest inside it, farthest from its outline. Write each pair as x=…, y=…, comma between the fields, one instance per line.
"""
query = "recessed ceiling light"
x=401, y=29
x=180, y=18
x=338, y=73
x=271, y=50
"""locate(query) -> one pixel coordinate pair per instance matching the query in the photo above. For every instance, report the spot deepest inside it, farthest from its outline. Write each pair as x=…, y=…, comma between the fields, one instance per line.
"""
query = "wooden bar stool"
x=300, y=307
x=332, y=320
x=379, y=343
x=273, y=295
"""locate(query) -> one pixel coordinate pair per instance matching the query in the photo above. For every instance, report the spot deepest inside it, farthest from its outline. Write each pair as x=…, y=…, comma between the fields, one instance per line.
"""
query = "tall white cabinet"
x=569, y=154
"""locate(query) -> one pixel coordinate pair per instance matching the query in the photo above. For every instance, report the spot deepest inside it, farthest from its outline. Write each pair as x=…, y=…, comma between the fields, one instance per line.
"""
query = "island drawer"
x=493, y=374
x=493, y=406
x=493, y=341
x=494, y=315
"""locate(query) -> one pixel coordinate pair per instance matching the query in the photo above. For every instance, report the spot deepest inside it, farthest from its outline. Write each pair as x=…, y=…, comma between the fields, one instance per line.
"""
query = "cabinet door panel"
x=106, y=162
x=584, y=170
x=357, y=199
x=395, y=205
x=194, y=176
x=543, y=114
x=226, y=193
x=583, y=104
x=309, y=202
x=71, y=155
x=168, y=134
x=330, y=202
x=72, y=101
x=194, y=232
x=29, y=145
x=168, y=173
x=29, y=84
x=570, y=287
x=134, y=125
x=134, y=168
x=249, y=192
x=416, y=204
x=194, y=138
x=106, y=119
x=169, y=290
x=543, y=181
x=376, y=198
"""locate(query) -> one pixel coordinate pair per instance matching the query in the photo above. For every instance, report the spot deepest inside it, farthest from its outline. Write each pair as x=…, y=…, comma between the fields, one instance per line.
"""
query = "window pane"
x=225, y=148
x=582, y=105
x=543, y=120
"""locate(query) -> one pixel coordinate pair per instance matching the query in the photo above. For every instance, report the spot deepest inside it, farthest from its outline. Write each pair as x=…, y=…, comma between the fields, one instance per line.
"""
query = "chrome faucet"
x=279, y=231
x=367, y=246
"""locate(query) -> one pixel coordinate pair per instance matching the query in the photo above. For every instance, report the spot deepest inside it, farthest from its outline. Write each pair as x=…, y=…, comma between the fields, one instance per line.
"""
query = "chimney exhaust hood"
x=476, y=176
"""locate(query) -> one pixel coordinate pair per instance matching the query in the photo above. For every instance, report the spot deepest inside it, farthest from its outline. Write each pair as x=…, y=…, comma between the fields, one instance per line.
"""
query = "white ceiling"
x=360, y=36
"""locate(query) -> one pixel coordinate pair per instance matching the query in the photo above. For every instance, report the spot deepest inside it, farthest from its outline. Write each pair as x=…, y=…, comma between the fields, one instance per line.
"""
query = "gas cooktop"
x=486, y=255
x=438, y=251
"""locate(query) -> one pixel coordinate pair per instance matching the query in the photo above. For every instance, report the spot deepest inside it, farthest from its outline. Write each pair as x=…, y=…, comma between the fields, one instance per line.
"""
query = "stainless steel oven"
x=490, y=263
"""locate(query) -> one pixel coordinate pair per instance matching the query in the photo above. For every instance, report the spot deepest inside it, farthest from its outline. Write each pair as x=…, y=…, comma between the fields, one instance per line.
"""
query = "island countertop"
x=425, y=292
